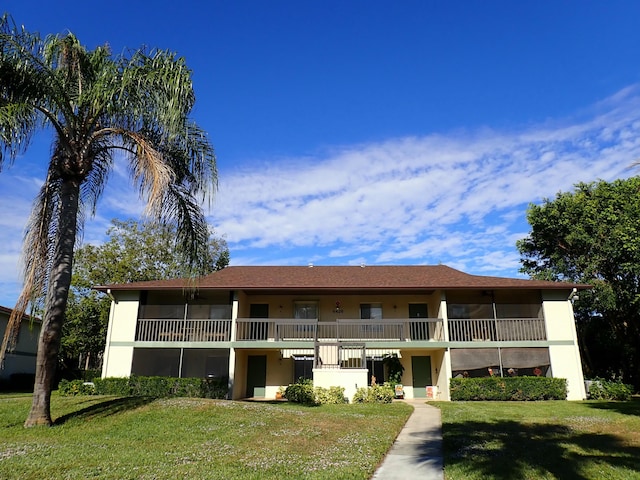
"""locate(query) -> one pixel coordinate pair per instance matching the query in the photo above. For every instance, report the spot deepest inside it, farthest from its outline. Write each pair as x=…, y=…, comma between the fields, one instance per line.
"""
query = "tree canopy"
x=100, y=108
x=592, y=235
x=134, y=252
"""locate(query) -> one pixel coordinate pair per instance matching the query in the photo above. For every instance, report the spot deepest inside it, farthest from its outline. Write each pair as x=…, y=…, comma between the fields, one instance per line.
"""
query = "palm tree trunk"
x=55, y=305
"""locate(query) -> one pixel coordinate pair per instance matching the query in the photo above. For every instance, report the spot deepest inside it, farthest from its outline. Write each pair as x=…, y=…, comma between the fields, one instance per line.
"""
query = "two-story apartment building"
x=264, y=327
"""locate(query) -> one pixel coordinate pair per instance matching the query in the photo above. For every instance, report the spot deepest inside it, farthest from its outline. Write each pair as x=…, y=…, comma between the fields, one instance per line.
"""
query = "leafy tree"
x=592, y=235
x=99, y=108
x=136, y=251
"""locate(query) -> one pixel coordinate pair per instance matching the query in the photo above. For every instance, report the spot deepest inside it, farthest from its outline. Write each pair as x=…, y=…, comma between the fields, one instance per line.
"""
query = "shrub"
x=301, y=392
x=375, y=394
x=215, y=388
x=601, y=389
x=70, y=388
x=113, y=386
x=161, y=387
x=508, y=388
x=394, y=368
x=330, y=396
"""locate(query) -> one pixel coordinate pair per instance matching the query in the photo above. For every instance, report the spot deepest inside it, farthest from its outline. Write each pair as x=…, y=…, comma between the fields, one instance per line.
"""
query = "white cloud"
x=426, y=199
x=458, y=199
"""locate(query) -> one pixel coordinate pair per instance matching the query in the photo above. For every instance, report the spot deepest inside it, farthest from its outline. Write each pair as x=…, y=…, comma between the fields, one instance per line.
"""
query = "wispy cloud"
x=457, y=198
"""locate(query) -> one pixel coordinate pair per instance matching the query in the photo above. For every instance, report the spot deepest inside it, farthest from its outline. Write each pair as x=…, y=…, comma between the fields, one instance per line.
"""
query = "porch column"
x=232, y=351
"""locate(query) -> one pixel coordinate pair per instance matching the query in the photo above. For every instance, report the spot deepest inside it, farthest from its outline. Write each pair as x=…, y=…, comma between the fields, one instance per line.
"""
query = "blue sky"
x=413, y=132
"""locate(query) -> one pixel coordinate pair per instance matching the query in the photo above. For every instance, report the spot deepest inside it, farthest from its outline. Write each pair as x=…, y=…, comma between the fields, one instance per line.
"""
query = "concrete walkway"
x=417, y=452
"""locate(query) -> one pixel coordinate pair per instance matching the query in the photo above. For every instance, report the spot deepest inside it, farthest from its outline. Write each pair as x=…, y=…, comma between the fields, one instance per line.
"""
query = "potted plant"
x=394, y=370
x=280, y=393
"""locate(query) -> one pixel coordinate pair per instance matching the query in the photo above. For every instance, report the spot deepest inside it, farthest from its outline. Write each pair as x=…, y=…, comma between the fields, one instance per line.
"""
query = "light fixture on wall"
x=573, y=296
x=338, y=308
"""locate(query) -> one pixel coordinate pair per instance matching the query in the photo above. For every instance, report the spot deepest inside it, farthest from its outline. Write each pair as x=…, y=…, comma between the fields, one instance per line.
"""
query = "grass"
x=541, y=440
x=142, y=438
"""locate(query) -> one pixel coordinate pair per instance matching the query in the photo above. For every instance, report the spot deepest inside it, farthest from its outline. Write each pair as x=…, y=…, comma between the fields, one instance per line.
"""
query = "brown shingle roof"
x=345, y=278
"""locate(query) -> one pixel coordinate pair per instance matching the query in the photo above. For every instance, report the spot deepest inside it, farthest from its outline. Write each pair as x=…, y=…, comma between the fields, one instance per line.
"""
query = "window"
x=475, y=362
x=305, y=310
x=371, y=311
x=484, y=362
x=302, y=367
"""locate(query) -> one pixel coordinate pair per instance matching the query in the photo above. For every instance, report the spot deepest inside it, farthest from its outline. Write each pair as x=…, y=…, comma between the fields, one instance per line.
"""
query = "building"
x=264, y=327
x=22, y=360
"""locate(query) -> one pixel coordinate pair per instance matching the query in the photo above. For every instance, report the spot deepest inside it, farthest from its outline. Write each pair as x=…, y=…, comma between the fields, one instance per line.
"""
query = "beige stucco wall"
x=122, y=329
x=565, y=359
x=349, y=378
x=393, y=306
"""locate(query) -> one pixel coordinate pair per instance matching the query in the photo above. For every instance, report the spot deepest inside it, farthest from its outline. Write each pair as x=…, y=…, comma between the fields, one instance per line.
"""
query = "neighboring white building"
x=22, y=360
x=263, y=327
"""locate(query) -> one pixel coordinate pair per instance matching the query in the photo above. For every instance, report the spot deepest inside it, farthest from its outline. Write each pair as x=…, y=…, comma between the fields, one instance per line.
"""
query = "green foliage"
x=69, y=388
x=304, y=392
x=375, y=394
x=330, y=396
x=301, y=392
x=138, y=251
x=508, y=388
x=592, y=236
x=159, y=387
x=394, y=368
x=601, y=389
x=113, y=386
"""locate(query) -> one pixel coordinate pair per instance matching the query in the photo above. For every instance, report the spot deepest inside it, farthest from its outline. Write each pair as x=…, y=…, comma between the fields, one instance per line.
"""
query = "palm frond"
x=36, y=256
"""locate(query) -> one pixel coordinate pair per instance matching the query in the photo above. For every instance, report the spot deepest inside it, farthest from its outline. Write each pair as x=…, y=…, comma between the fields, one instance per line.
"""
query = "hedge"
x=136, y=386
x=508, y=388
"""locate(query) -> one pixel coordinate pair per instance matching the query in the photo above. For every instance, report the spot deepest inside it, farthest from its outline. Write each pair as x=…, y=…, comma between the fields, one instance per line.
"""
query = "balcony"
x=497, y=330
x=342, y=330
x=278, y=329
x=179, y=330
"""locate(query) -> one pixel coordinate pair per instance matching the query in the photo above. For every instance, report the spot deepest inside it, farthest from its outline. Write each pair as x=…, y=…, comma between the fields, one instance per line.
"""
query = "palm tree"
x=101, y=109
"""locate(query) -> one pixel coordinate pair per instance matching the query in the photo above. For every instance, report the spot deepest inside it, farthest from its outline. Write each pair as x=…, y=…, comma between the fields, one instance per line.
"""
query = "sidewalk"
x=417, y=452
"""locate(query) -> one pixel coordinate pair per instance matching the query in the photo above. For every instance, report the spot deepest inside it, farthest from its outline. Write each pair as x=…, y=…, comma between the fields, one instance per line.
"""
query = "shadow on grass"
x=508, y=450
x=105, y=409
x=632, y=407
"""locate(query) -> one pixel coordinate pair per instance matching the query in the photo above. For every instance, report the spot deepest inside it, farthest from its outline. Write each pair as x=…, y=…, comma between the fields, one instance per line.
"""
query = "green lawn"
x=541, y=440
x=137, y=438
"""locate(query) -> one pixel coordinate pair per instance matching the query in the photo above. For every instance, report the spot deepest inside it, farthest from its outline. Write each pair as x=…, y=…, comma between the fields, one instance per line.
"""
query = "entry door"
x=256, y=375
x=419, y=330
x=421, y=368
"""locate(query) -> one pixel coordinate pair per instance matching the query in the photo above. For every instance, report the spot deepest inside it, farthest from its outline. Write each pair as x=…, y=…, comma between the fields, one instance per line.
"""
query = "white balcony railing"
x=179, y=330
x=341, y=330
x=279, y=329
x=497, y=330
